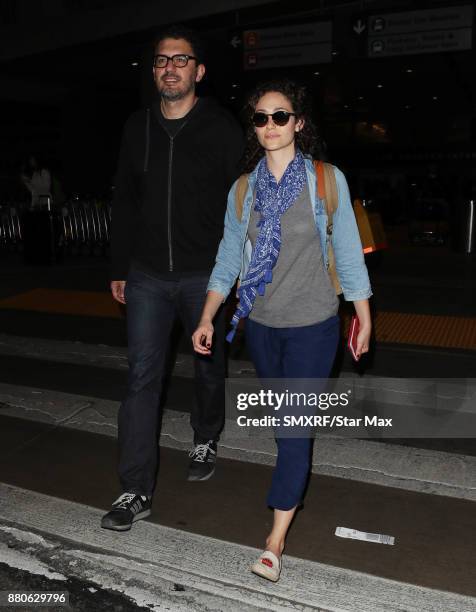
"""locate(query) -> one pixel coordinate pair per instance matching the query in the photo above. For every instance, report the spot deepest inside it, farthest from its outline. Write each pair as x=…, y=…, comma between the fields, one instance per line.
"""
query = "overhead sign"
x=235, y=42
x=288, y=46
x=359, y=26
x=415, y=32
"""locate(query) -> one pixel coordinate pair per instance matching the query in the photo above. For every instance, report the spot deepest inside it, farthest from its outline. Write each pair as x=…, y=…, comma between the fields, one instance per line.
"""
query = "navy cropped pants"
x=292, y=352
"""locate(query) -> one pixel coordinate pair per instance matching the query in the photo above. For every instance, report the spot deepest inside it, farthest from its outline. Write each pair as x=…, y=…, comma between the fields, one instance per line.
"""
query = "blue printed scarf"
x=272, y=201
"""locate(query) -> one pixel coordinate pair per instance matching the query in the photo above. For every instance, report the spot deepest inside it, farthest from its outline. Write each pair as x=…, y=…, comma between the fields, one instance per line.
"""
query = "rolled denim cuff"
x=354, y=296
x=219, y=288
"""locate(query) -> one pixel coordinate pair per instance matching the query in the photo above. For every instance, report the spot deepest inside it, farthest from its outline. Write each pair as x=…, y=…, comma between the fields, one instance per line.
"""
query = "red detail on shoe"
x=267, y=562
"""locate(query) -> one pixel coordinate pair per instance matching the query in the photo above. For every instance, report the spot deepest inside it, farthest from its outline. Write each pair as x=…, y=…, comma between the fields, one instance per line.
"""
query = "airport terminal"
x=96, y=153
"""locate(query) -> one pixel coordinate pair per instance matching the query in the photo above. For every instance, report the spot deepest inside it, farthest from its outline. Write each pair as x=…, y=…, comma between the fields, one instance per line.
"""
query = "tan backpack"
x=326, y=190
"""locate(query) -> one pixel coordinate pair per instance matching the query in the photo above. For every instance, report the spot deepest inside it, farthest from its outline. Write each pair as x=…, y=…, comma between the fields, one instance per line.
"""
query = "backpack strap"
x=240, y=193
x=321, y=185
x=327, y=191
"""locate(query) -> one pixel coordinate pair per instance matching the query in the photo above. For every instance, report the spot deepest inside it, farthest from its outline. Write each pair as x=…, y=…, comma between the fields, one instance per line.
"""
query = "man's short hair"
x=178, y=31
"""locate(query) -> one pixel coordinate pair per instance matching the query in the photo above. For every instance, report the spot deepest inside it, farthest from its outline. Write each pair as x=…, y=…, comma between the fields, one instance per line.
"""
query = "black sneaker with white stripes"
x=202, y=461
x=128, y=508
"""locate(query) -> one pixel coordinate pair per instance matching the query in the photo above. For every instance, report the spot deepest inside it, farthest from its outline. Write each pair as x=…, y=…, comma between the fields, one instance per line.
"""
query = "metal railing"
x=11, y=235
x=469, y=228
x=84, y=226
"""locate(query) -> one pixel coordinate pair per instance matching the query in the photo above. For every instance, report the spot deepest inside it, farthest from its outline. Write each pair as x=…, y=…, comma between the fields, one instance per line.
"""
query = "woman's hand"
x=202, y=337
x=363, y=341
x=365, y=327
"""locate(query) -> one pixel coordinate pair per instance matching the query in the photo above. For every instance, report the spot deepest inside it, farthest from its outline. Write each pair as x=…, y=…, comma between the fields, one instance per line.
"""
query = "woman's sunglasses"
x=279, y=118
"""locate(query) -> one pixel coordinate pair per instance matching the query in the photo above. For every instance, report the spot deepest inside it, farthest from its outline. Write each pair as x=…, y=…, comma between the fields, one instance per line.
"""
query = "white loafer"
x=267, y=566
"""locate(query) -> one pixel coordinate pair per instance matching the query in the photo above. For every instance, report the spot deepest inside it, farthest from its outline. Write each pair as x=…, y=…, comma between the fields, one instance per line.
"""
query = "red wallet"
x=352, y=339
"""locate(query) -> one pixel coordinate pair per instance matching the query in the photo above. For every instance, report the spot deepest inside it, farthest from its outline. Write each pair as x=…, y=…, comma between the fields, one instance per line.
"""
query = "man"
x=177, y=162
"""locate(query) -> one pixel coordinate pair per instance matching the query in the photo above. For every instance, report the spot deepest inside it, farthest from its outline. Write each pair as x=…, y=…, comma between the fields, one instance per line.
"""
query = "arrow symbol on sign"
x=235, y=41
x=359, y=27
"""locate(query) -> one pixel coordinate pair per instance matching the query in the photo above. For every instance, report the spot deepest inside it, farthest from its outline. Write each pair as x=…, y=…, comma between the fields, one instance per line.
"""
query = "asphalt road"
x=84, y=596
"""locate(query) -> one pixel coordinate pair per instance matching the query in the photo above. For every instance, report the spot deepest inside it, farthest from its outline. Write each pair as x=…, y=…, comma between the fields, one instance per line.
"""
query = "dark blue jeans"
x=152, y=307
x=292, y=352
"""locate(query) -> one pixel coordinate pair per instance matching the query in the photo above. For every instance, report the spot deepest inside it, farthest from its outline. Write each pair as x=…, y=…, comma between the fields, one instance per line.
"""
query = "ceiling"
x=423, y=98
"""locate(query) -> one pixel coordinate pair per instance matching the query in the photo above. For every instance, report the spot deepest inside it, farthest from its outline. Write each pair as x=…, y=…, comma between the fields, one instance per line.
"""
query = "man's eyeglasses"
x=179, y=60
x=279, y=118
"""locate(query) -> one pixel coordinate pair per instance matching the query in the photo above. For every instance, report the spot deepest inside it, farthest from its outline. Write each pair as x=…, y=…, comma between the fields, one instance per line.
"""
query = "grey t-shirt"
x=301, y=292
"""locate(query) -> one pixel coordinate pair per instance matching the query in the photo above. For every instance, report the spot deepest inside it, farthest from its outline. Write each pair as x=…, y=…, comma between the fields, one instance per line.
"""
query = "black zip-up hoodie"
x=170, y=196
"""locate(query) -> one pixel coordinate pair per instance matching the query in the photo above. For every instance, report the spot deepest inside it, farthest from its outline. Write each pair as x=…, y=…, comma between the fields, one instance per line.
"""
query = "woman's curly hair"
x=307, y=139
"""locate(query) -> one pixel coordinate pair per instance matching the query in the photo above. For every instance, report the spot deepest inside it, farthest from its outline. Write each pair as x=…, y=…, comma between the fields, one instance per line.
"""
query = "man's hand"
x=117, y=289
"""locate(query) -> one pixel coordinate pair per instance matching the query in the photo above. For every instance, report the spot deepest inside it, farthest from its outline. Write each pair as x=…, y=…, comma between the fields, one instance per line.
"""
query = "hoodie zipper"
x=169, y=196
x=169, y=205
x=169, y=178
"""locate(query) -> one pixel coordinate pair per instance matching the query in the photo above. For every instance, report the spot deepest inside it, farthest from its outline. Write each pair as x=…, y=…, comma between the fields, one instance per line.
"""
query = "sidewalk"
x=162, y=567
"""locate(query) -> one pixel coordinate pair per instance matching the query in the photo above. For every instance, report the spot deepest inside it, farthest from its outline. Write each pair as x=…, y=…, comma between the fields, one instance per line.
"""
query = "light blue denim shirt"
x=234, y=253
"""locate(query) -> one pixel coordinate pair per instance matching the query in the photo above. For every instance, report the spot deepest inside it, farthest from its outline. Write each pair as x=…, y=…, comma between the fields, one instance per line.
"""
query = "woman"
x=286, y=293
x=37, y=179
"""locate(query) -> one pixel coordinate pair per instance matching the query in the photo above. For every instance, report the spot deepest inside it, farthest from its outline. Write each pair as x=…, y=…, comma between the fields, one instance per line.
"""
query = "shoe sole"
x=195, y=479
x=138, y=517
x=263, y=573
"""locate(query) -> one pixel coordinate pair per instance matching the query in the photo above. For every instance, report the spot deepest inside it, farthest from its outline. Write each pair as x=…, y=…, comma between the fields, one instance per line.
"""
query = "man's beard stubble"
x=175, y=94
